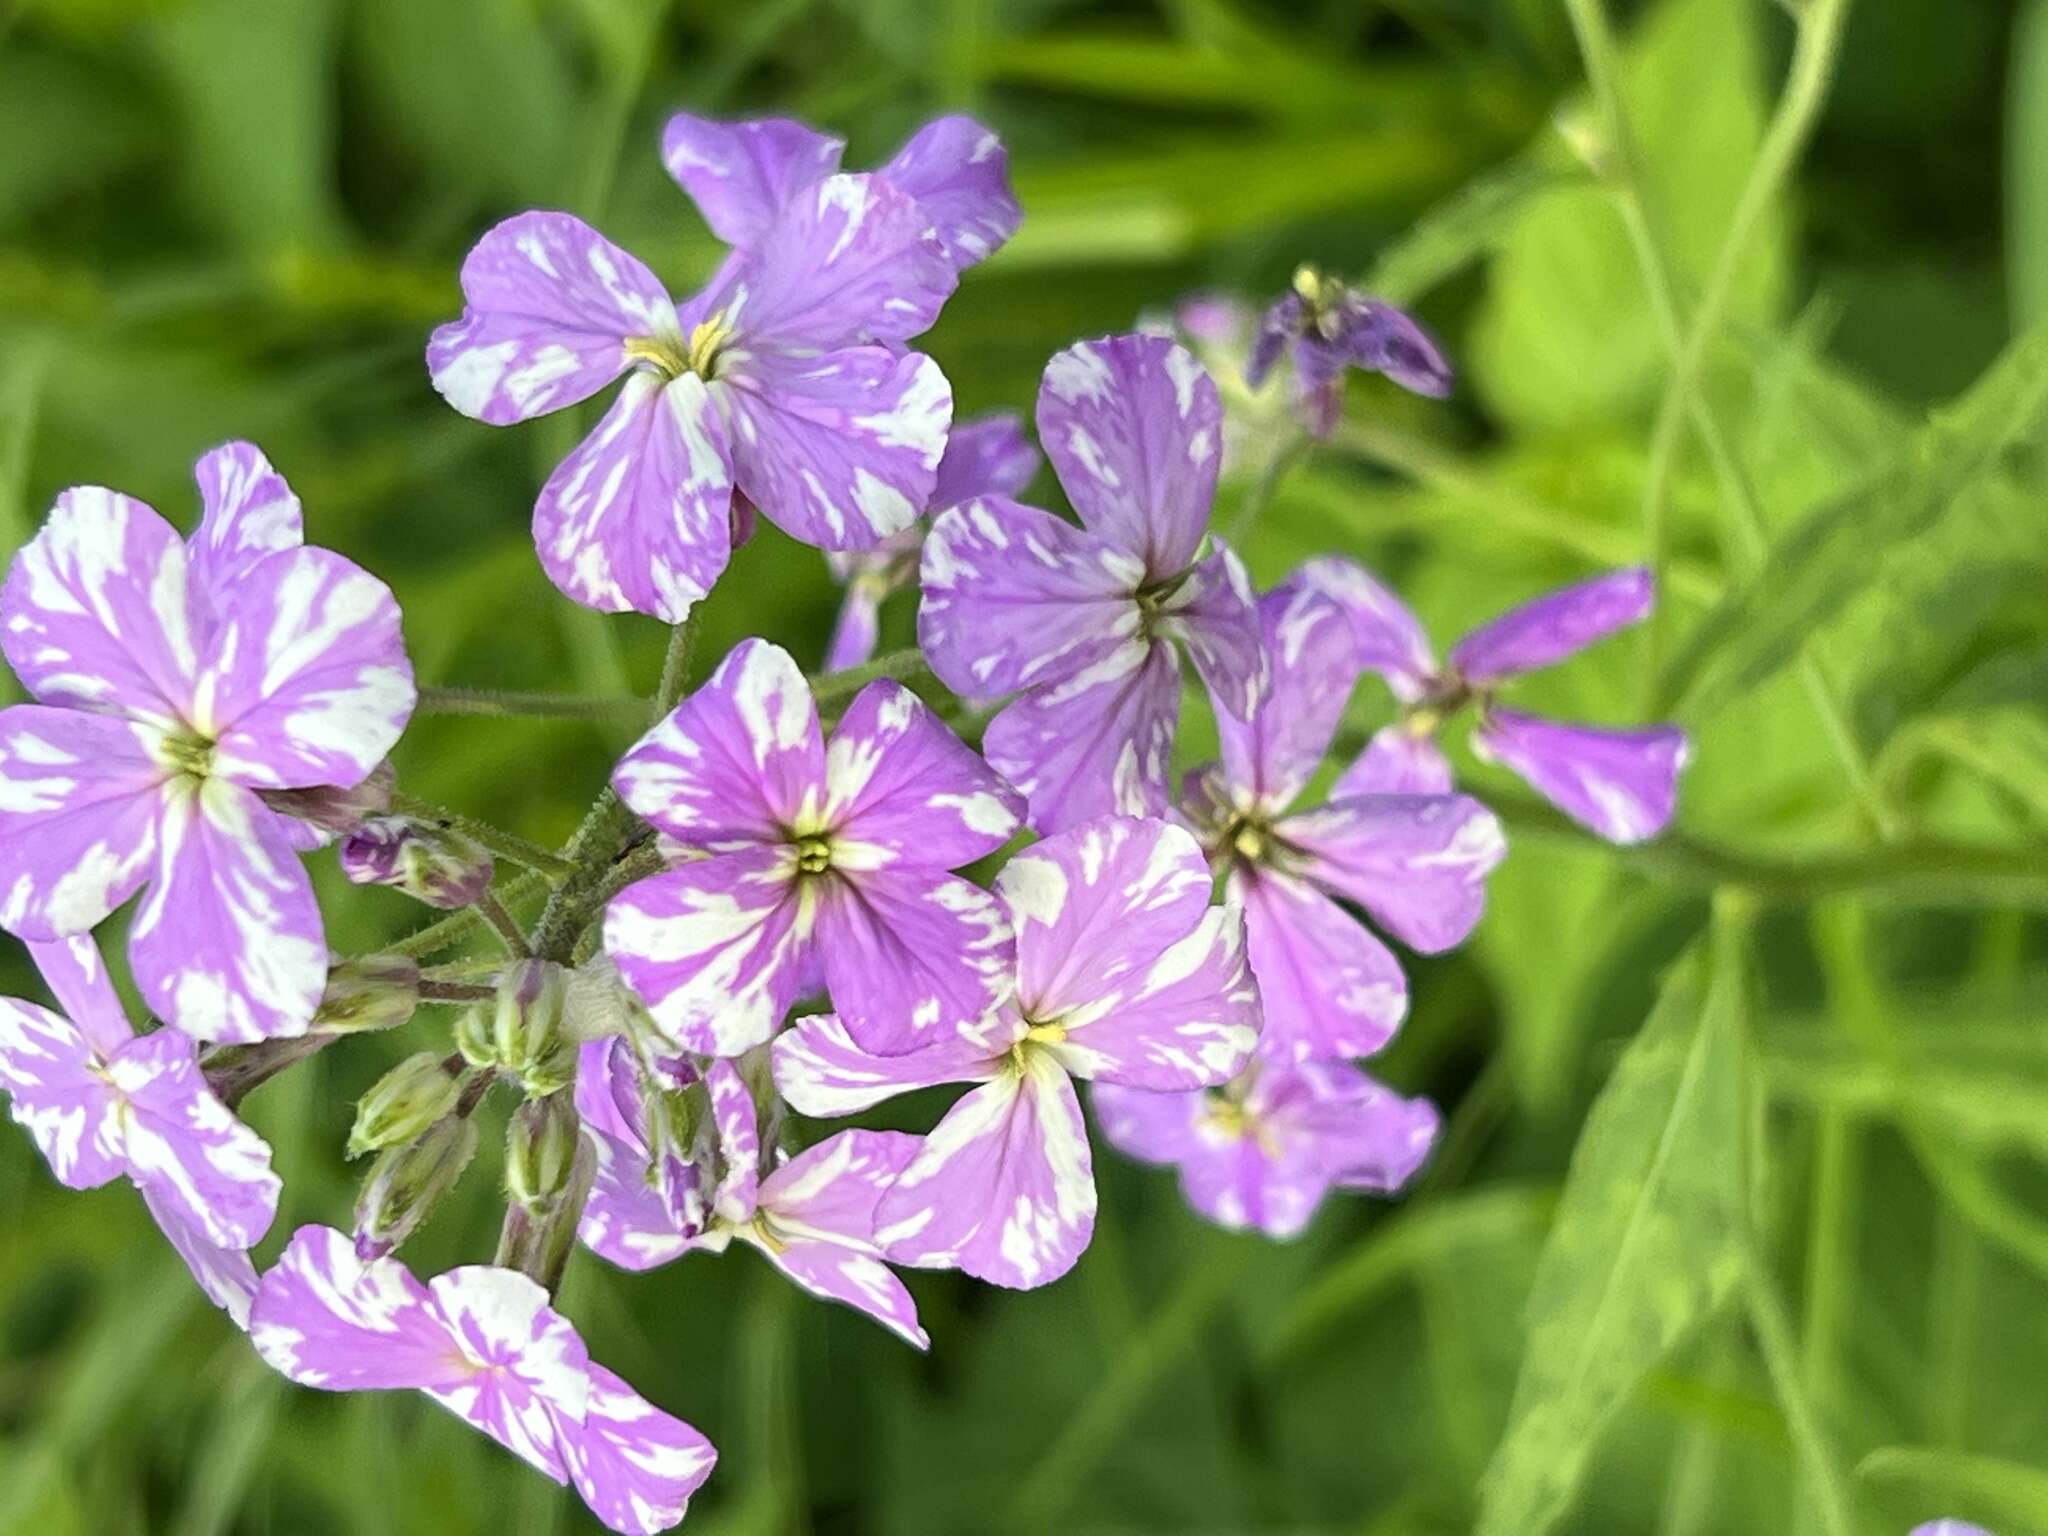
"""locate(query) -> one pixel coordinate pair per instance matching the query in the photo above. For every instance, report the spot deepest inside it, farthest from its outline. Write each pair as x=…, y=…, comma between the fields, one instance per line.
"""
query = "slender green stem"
x=675, y=666
x=434, y=990
x=907, y=665
x=493, y=701
x=1774, y=1341
x=457, y=926
x=1806, y=88
x=492, y=910
x=1830, y=1261
x=506, y=845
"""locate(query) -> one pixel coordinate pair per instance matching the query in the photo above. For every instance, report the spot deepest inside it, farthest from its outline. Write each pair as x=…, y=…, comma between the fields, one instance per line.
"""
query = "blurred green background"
x=1773, y=1260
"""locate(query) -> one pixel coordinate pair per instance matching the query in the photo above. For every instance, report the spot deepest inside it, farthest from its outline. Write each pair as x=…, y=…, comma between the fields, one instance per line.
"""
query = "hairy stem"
x=493, y=701
x=905, y=666
x=492, y=910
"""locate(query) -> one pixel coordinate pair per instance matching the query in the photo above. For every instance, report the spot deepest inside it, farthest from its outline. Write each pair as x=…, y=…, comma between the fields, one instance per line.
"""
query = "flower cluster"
x=798, y=897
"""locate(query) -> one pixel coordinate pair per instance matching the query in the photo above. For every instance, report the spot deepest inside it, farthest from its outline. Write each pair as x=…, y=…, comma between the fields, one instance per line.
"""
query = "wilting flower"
x=741, y=175
x=1331, y=327
x=1417, y=863
x=988, y=456
x=484, y=1344
x=1090, y=621
x=1264, y=1149
x=440, y=866
x=784, y=378
x=800, y=860
x=657, y=1154
x=103, y=1102
x=1125, y=974
x=1623, y=784
x=178, y=684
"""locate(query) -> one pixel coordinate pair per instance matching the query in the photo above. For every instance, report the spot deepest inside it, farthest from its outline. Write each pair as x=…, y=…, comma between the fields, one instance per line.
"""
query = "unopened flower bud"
x=437, y=865
x=404, y=1102
x=332, y=810
x=540, y=1150
x=407, y=1181
x=368, y=993
x=527, y=1034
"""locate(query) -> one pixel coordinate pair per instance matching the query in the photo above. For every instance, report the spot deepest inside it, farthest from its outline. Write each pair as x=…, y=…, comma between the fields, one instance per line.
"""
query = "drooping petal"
x=1280, y=323
x=858, y=1280
x=228, y=944
x=1014, y=597
x=550, y=306
x=186, y=1149
x=1390, y=638
x=714, y=948
x=738, y=760
x=526, y=1370
x=739, y=1141
x=248, y=512
x=1004, y=1188
x=79, y=799
x=912, y=956
x=1417, y=863
x=840, y=450
x=76, y=974
x=902, y=790
x=626, y=1221
x=1397, y=761
x=986, y=456
x=820, y=1210
x=1371, y=1136
x=1555, y=626
x=227, y=1275
x=1189, y=1020
x=1098, y=744
x=959, y=173
x=1234, y=1181
x=1621, y=783
x=634, y=1465
x=1328, y=986
x=1152, y=1127
x=740, y=174
x=328, y=1319
x=306, y=681
x=54, y=1092
x=638, y=519
x=1387, y=340
x=1212, y=613
x=858, y=629
x=849, y=260
x=1312, y=662
x=1134, y=430
x=820, y=1070
x=98, y=611
x=1098, y=905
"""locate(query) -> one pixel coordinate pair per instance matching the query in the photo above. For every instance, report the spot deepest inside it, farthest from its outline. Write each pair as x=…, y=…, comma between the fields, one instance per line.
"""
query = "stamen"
x=813, y=854
x=659, y=353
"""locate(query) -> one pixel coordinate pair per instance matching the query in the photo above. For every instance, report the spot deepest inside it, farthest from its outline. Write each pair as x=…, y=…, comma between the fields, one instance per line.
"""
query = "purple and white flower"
x=1330, y=328
x=1416, y=863
x=988, y=456
x=1125, y=974
x=785, y=379
x=1262, y=1151
x=742, y=174
x=1088, y=623
x=177, y=684
x=799, y=860
x=484, y=1343
x=1622, y=784
x=103, y=1102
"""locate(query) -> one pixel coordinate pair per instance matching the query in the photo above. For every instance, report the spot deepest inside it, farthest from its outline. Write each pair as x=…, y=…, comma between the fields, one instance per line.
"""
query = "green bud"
x=369, y=993
x=540, y=1150
x=404, y=1102
x=406, y=1182
x=527, y=1034
x=474, y=1040
x=431, y=863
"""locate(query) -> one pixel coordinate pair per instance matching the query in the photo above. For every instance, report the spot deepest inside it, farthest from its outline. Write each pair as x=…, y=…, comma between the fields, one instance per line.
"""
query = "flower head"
x=484, y=1344
x=103, y=1102
x=1329, y=327
x=988, y=456
x=178, y=684
x=1416, y=863
x=1622, y=784
x=799, y=858
x=1125, y=974
x=1263, y=1150
x=1089, y=623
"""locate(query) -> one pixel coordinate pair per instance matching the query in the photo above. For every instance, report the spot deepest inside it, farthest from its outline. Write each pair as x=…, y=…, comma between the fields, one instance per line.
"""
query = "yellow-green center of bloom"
x=672, y=356
x=1323, y=295
x=189, y=755
x=813, y=854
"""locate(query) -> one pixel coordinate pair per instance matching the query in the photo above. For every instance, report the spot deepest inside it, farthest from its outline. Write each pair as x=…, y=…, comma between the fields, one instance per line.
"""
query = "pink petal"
x=1391, y=639
x=526, y=1368
x=1151, y=1127
x=76, y=973
x=912, y=955
x=1622, y=784
x=638, y=519
x=1099, y=743
x=1134, y=430
x=741, y=174
x=902, y=789
x=858, y=1280
x=634, y=1465
x=820, y=1069
x=960, y=175
x=1213, y=615
x=80, y=795
x=186, y=1150
x=739, y=1140
x=57, y=1095
x=550, y=305
x=1555, y=626
x=1397, y=761
x=828, y=1193
x=249, y=512
x=1417, y=863
x=985, y=456
x=1312, y=662
x=226, y=1275
x=1329, y=988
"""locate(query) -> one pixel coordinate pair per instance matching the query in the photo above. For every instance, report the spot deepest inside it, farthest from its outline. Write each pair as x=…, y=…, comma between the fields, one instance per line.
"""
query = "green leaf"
x=2026, y=167
x=1645, y=1244
x=2011, y=1496
x=1814, y=570
x=2005, y=745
